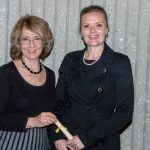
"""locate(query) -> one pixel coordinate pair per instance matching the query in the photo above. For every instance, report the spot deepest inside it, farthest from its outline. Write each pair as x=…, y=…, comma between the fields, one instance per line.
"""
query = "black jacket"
x=96, y=102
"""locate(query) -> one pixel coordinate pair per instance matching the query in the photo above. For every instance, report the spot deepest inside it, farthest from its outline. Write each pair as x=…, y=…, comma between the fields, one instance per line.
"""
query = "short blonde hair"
x=37, y=25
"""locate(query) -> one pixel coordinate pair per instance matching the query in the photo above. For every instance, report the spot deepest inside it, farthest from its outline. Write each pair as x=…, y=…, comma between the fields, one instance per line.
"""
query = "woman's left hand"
x=43, y=119
x=76, y=143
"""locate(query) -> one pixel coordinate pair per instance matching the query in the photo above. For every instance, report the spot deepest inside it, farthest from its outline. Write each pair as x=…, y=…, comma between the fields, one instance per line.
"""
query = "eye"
x=86, y=26
x=37, y=39
x=99, y=25
x=24, y=39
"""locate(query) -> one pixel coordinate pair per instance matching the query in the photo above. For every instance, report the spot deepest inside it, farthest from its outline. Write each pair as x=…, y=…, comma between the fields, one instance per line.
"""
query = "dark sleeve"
x=123, y=110
x=61, y=99
x=52, y=135
x=58, y=108
x=8, y=121
x=62, y=86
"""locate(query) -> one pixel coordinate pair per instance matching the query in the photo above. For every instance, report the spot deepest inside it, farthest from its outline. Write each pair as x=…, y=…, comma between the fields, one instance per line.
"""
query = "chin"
x=96, y=45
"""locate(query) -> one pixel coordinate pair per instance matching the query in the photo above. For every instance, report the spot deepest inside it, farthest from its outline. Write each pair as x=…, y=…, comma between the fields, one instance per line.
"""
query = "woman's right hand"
x=61, y=145
x=43, y=119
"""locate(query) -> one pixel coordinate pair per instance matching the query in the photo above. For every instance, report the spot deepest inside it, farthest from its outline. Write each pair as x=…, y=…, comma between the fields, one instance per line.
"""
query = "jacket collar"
x=104, y=62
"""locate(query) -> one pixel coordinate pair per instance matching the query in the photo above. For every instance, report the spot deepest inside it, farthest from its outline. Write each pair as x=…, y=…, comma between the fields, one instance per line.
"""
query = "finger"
x=51, y=117
x=47, y=114
x=50, y=114
x=70, y=147
x=44, y=121
x=47, y=119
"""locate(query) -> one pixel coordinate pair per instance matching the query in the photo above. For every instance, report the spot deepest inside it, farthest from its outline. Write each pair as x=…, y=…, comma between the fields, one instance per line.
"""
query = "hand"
x=43, y=119
x=61, y=145
x=75, y=143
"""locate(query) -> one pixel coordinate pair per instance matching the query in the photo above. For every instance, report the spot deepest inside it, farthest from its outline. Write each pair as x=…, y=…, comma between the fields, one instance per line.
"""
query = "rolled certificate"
x=64, y=130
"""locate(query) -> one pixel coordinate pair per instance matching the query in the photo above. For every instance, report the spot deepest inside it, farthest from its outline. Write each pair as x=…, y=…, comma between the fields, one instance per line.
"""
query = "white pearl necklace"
x=89, y=64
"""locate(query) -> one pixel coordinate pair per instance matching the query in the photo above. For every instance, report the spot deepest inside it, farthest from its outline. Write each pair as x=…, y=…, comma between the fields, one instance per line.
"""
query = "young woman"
x=95, y=88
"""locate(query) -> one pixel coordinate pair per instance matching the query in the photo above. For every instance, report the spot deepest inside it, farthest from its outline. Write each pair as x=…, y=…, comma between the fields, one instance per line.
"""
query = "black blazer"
x=97, y=104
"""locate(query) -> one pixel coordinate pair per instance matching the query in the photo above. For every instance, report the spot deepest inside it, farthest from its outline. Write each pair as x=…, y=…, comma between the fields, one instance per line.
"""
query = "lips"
x=93, y=37
x=31, y=51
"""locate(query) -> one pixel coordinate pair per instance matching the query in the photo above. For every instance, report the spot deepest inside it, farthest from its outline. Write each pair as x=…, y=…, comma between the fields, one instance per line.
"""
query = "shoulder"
x=50, y=73
x=120, y=59
x=72, y=56
x=5, y=72
x=6, y=67
x=121, y=64
x=116, y=58
x=69, y=60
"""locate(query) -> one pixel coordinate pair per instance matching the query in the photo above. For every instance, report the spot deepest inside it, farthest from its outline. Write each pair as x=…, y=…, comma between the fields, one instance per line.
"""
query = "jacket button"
x=100, y=90
x=87, y=107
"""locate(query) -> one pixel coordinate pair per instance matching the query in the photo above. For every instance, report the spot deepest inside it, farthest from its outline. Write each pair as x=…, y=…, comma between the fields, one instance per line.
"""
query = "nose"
x=93, y=29
x=31, y=43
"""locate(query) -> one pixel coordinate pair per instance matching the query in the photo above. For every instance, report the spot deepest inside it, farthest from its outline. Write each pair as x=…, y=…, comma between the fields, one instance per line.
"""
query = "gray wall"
x=129, y=22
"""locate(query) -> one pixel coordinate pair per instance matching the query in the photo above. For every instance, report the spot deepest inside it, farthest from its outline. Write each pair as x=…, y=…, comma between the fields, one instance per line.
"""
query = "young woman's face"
x=93, y=29
x=31, y=44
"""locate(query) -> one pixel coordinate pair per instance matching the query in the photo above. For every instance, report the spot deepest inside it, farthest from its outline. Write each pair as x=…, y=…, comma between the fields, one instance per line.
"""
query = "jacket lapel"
x=100, y=70
x=76, y=67
x=103, y=66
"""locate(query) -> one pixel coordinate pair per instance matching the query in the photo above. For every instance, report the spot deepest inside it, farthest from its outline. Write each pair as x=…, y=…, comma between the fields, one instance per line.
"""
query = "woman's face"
x=93, y=29
x=31, y=44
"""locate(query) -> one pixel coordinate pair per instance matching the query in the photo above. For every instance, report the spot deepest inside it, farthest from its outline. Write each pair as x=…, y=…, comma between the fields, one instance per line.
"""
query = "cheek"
x=41, y=46
x=23, y=47
x=84, y=34
x=102, y=34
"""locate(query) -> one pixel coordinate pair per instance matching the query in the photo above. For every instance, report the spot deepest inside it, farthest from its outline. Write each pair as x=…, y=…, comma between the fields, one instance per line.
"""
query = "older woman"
x=27, y=88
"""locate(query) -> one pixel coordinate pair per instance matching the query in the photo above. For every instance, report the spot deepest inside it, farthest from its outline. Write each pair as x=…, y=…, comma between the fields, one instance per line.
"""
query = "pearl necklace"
x=89, y=64
x=33, y=72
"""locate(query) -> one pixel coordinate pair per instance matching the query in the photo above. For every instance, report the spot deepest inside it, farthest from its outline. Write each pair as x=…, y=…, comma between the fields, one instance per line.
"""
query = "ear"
x=107, y=31
x=81, y=34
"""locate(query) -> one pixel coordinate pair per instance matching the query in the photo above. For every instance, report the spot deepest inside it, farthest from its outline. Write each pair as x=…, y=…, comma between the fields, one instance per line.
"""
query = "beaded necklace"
x=33, y=72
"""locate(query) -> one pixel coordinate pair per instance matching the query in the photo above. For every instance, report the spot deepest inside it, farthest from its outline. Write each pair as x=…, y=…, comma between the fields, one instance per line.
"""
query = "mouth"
x=92, y=37
x=31, y=51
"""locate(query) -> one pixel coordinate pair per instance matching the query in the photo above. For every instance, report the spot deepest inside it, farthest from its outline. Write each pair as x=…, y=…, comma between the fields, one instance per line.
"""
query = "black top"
x=20, y=100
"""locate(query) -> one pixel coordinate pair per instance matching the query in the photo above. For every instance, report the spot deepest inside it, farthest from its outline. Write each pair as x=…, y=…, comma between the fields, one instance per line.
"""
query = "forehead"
x=27, y=32
x=92, y=17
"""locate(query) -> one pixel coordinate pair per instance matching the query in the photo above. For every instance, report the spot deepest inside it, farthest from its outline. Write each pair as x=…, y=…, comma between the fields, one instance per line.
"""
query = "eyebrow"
x=92, y=23
x=30, y=37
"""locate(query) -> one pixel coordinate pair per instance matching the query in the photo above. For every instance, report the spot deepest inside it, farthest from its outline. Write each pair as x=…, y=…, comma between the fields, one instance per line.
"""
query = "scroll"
x=64, y=130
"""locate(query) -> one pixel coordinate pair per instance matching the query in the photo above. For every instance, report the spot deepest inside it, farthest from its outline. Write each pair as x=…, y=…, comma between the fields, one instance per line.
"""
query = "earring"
x=106, y=35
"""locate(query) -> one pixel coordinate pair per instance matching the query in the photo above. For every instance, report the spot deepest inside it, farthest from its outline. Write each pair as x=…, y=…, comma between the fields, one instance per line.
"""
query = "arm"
x=42, y=120
x=9, y=121
x=61, y=104
x=59, y=138
x=12, y=117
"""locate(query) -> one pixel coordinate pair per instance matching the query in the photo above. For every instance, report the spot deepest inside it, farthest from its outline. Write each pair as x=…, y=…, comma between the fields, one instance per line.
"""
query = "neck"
x=29, y=66
x=32, y=63
x=93, y=53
